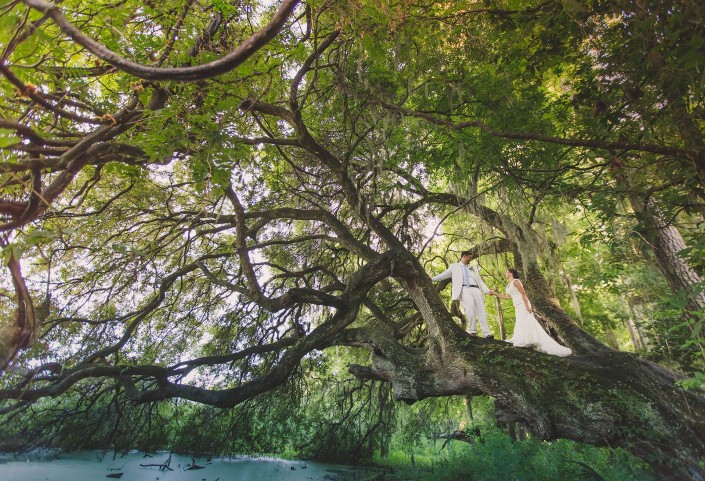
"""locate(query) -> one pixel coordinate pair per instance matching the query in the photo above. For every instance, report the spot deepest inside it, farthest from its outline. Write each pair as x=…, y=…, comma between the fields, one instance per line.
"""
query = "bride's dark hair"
x=514, y=272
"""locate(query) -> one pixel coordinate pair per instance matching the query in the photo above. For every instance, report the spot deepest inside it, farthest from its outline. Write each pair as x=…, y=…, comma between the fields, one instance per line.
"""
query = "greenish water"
x=133, y=467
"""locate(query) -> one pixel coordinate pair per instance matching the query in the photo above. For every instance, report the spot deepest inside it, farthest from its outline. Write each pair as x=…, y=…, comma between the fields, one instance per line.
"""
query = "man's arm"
x=443, y=275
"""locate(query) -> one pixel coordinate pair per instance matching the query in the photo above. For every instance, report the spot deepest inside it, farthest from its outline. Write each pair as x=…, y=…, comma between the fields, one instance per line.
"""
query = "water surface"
x=90, y=467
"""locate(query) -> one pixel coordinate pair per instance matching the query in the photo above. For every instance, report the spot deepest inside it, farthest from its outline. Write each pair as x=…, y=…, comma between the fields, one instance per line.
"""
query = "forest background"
x=219, y=220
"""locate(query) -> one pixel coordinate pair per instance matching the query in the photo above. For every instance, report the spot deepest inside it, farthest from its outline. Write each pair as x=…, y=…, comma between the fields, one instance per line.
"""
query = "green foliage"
x=498, y=458
x=7, y=138
x=493, y=455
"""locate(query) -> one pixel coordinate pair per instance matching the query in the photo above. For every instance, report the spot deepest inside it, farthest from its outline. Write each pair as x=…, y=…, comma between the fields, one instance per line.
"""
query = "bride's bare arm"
x=501, y=296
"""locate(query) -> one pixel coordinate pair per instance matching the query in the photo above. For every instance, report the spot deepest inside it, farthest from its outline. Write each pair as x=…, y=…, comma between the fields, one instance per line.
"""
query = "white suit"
x=469, y=288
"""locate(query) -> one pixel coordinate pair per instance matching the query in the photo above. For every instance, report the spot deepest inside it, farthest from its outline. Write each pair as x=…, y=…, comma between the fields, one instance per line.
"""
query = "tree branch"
x=599, y=144
x=182, y=74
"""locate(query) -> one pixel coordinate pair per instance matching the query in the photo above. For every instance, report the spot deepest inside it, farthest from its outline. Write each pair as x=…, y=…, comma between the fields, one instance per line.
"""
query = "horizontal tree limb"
x=181, y=74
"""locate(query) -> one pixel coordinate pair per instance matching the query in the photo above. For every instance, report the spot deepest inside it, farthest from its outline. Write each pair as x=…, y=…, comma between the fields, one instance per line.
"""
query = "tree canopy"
x=200, y=200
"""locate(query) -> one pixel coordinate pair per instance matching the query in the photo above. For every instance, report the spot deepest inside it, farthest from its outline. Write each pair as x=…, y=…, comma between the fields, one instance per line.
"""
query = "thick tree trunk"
x=601, y=396
x=611, y=399
x=666, y=241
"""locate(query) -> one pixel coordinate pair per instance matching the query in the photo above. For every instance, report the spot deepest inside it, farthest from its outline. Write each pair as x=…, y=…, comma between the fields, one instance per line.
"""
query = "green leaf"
x=11, y=251
x=117, y=247
x=8, y=137
x=41, y=236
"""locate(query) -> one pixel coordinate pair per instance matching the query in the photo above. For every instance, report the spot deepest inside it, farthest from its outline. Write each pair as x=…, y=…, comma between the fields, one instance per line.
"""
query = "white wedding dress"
x=527, y=330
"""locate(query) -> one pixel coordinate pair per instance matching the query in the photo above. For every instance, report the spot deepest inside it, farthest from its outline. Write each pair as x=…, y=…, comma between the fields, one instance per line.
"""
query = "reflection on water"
x=162, y=467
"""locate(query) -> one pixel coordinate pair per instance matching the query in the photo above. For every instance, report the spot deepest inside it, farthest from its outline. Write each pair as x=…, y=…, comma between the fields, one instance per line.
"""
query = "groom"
x=469, y=288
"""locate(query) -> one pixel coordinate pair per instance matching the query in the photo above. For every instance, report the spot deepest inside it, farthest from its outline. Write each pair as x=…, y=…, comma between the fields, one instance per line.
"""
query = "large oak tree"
x=207, y=193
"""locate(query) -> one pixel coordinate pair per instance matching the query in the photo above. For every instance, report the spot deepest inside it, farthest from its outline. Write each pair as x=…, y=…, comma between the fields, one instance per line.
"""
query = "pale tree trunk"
x=634, y=334
x=573, y=297
x=500, y=320
x=634, y=331
x=611, y=338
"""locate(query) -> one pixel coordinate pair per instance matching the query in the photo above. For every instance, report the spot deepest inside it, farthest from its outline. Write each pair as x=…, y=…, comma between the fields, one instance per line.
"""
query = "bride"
x=527, y=330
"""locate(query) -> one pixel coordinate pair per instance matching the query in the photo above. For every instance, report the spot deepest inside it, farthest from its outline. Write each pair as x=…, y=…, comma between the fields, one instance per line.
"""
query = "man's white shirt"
x=455, y=272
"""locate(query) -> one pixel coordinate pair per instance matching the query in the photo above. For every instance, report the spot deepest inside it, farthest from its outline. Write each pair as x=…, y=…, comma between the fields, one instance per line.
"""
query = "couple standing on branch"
x=469, y=289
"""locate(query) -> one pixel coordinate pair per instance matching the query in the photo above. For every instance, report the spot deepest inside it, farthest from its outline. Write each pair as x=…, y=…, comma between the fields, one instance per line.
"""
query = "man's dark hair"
x=466, y=253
